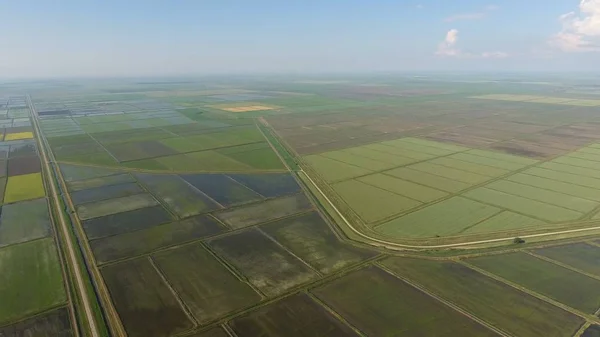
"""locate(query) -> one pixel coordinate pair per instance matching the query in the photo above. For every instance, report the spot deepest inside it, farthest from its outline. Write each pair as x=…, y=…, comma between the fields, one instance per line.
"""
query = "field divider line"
x=228, y=330
x=72, y=261
x=292, y=291
x=592, y=243
x=193, y=241
x=334, y=313
x=233, y=270
x=176, y=295
x=96, y=281
x=288, y=251
x=563, y=265
x=264, y=122
x=445, y=302
x=537, y=295
x=582, y=329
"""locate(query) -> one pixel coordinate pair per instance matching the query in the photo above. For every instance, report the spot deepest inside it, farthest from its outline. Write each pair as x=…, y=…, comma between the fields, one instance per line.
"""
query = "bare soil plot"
x=527, y=149
x=206, y=286
x=498, y=304
x=293, y=316
x=269, y=185
x=379, y=304
x=145, y=304
x=139, y=150
x=125, y=222
x=23, y=165
x=179, y=196
x=149, y=239
x=54, y=323
x=561, y=284
x=257, y=213
x=23, y=149
x=116, y=205
x=30, y=279
x=459, y=138
x=309, y=237
x=581, y=256
x=222, y=189
x=266, y=265
x=24, y=221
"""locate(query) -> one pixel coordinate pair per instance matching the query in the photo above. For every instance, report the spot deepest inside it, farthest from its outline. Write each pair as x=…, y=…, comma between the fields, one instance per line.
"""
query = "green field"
x=496, y=303
x=30, y=279
x=206, y=286
x=24, y=187
x=381, y=305
x=559, y=283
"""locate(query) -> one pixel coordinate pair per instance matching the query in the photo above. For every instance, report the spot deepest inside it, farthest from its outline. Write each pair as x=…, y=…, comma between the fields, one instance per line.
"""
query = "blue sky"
x=145, y=38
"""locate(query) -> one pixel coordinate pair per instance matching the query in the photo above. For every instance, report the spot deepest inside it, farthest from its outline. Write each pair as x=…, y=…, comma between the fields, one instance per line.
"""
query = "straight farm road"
x=71, y=255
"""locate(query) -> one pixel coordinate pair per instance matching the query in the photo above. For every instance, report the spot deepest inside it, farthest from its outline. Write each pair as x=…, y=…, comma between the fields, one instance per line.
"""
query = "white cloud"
x=472, y=16
x=448, y=48
x=580, y=30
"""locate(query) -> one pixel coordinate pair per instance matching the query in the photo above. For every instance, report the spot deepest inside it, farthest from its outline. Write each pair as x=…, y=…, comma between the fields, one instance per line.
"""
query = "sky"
x=74, y=38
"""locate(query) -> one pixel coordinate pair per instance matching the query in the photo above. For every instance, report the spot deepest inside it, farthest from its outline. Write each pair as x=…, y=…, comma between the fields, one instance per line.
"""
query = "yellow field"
x=248, y=108
x=19, y=135
x=24, y=187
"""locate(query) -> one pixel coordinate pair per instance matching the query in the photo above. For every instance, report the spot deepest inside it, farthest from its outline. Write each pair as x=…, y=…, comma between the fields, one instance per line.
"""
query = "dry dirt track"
x=71, y=256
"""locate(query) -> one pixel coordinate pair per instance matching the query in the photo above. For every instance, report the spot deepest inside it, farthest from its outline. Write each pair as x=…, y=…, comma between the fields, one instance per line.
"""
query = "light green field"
x=522, y=205
x=378, y=156
x=477, y=158
x=557, y=186
x=402, y=187
x=445, y=218
x=371, y=203
x=484, y=170
x=504, y=221
x=571, y=178
x=30, y=279
x=427, y=179
x=450, y=173
x=360, y=161
x=24, y=187
x=332, y=170
x=541, y=99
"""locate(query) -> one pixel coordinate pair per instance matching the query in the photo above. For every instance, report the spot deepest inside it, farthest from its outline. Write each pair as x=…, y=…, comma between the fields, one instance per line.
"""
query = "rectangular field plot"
x=445, y=218
x=523, y=205
x=557, y=186
x=24, y=187
x=257, y=213
x=214, y=332
x=425, y=146
x=402, y=187
x=309, y=237
x=491, y=159
x=293, y=316
x=581, y=256
x=222, y=189
x=206, y=286
x=30, y=279
x=113, y=206
x=24, y=221
x=23, y=165
x=504, y=221
x=177, y=195
x=146, y=240
x=355, y=160
x=145, y=304
x=105, y=192
x=54, y=323
x=72, y=173
x=564, y=285
x=484, y=170
x=214, y=140
x=379, y=304
x=371, y=203
x=592, y=331
x=450, y=173
x=139, y=150
x=333, y=170
x=502, y=306
x=209, y=161
x=260, y=159
x=571, y=178
x=116, y=179
x=545, y=196
x=266, y=265
x=269, y=185
x=125, y=222
x=427, y=179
